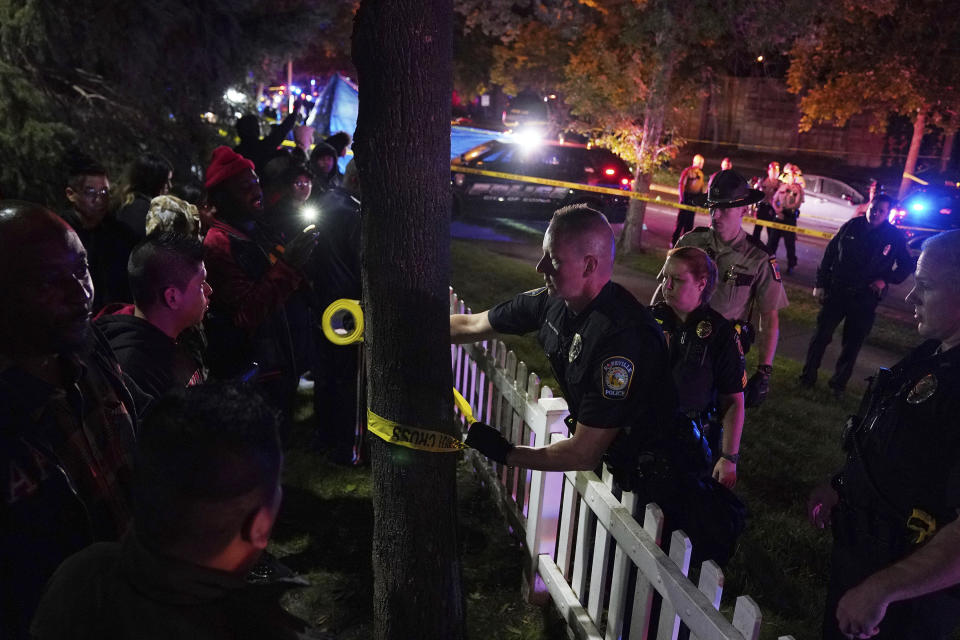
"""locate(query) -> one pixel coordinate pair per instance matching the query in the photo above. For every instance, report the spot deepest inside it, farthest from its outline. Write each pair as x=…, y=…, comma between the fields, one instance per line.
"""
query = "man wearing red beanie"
x=247, y=326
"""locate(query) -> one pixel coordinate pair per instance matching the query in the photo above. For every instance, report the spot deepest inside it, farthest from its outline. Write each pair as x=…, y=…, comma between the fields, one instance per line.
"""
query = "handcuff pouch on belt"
x=747, y=333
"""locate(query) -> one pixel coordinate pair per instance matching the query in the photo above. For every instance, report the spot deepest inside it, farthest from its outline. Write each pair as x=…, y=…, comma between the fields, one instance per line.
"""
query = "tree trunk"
x=632, y=235
x=949, y=135
x=919, y=125
x=403, y=53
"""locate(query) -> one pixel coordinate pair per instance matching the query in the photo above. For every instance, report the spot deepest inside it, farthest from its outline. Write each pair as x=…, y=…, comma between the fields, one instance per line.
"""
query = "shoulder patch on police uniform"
x=617, y=376
x=775, y=269
x=535, y=292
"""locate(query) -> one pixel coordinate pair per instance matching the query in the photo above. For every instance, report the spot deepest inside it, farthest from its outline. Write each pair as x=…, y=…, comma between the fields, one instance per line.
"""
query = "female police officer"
x=705, y=355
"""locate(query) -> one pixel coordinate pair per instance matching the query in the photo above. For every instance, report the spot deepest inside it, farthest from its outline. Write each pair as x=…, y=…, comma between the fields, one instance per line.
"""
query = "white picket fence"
x=572, y=524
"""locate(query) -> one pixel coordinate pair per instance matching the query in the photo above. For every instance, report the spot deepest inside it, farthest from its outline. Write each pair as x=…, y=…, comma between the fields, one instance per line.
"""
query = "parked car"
x=828, y=202
x=477, y=195
x=926, y=211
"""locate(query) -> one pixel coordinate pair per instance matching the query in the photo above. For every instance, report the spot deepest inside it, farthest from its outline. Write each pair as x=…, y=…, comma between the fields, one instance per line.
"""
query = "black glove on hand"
x=757, y=386
x=488, y=441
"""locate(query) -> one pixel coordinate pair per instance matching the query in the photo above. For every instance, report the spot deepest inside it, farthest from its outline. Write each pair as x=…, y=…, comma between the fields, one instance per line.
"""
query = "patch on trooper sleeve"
x=535, y=292
x=617, y=376
x=775, y=269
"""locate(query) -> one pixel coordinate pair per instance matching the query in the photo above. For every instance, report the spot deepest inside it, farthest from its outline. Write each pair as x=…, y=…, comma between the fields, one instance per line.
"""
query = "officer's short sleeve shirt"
x=746, y=273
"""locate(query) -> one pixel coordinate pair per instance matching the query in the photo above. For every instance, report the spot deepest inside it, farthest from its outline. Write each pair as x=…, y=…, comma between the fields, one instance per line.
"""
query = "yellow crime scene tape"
x=417, y=438
x=630, y=194
x=412, y=437
x=335, y=322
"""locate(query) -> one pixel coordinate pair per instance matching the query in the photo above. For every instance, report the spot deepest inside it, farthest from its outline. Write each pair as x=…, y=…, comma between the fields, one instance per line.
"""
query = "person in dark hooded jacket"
x=157, y=339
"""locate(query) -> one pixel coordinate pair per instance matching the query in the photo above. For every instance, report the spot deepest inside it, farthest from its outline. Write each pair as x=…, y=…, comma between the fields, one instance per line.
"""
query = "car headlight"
x=458, y=179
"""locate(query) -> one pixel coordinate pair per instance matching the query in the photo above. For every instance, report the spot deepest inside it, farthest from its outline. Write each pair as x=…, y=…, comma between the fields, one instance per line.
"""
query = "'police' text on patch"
x=617, y=375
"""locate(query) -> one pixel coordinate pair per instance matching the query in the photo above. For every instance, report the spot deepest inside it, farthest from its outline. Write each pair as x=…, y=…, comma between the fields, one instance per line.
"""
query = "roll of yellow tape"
x=338, y=317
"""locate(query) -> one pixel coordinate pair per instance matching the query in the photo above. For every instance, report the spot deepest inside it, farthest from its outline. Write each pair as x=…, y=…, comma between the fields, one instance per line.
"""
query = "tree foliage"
x=115, y=77
x=880, y=56
x=628, y=68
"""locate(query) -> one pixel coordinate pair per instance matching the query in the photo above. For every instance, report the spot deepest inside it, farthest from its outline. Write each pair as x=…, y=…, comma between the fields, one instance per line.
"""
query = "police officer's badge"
x=575, y=347
x=704, y=329
x=617, y=375
x=923, y=390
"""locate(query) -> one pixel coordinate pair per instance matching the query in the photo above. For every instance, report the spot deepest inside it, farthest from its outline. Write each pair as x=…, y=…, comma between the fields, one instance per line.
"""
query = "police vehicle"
x=927, y=210
x=483, y=196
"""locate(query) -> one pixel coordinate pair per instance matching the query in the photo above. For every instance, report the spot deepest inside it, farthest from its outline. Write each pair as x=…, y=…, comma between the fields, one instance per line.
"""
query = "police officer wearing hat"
x=605, y=347
x=895, y=570
x=863, y=258
x=749, y=280
x=705, y=356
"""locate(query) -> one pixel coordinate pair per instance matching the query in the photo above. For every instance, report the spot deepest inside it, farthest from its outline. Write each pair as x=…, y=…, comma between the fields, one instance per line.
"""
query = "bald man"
x=690, y=189
x=66, y=415
x=605, y=348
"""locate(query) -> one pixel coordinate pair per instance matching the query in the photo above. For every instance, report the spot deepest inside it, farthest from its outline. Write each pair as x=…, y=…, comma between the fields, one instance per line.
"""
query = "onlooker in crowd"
x=171, y=294
x=147, y=177
x=107, y=242
x=893, y=507
x=334, y=273
x=765, y=210
x=260, y=151
x=286, y=187
x=749, y=279
x=326, y=173
x=865, y=256
x=247, y=323
x=786, y=205
x=207, y=496
x=190, y=191
x=705, y=356
x=67, y=417
x=692, y=184
x=170, y=213
x=340, y=141
x=287, y=184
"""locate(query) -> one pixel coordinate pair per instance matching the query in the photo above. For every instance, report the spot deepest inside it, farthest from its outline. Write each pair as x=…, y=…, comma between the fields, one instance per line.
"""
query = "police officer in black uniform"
x=893, y=507
x=705, y=356
x=606, y=349
x=867, y=254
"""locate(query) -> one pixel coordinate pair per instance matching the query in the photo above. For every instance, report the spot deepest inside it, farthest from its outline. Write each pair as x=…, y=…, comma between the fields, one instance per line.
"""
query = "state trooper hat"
x=729, y=189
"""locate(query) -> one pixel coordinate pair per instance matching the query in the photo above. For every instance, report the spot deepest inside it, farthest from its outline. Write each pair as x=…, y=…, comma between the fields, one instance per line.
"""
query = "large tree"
x=402, y=50
x=626, y=68
x=114, y=77
x=881, y=57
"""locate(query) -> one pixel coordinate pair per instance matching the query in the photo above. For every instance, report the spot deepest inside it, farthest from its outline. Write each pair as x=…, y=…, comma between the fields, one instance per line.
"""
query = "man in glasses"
x=107, y=242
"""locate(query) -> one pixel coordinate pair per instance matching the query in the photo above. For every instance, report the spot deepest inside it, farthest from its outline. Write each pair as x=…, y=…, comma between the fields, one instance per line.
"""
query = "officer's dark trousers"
x=930, y=617
x=764, y=212
x=789, y=239
x=856, y=310
x=684, y=224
